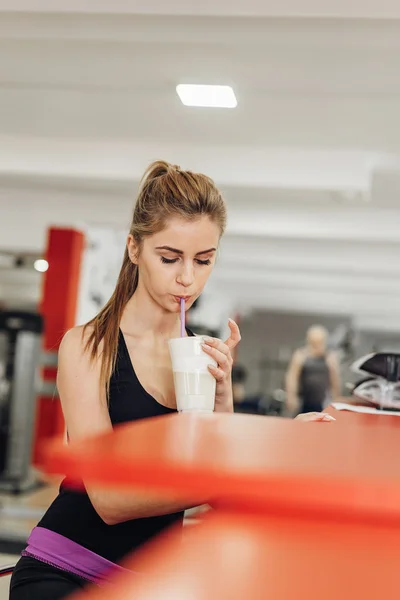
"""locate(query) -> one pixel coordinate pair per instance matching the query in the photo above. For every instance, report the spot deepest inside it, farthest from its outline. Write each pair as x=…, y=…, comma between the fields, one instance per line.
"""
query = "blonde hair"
x=318, y=330
x=165, y=191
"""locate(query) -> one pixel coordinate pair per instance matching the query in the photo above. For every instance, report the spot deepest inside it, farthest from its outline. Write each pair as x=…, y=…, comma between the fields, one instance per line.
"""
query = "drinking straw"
x=183, y=328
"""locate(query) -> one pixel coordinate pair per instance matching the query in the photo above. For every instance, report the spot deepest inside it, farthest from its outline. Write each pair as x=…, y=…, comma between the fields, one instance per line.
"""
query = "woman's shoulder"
x=300, y=355
x=76, y=335
x=76, y=339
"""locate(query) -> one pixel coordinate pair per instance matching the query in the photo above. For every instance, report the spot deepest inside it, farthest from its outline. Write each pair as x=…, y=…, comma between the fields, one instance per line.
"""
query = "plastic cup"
x=194, y=384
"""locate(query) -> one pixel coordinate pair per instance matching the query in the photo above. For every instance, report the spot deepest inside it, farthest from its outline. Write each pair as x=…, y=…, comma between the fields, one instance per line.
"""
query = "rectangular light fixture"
x=212, y=96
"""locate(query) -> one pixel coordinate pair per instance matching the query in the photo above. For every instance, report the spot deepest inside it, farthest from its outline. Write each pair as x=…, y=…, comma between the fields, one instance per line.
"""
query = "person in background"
x=313, y=375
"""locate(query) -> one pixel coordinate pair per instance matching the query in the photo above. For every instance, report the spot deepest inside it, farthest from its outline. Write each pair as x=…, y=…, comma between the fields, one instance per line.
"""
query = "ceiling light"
x=215, y=96
x=41, y=265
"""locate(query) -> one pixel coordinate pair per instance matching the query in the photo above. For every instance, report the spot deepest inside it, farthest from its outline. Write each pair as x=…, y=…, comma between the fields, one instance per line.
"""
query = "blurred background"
x=308, y=160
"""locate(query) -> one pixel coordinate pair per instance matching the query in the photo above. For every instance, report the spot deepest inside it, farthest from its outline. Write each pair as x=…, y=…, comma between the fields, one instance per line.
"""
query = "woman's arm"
x=85, y=410
x=292, y=383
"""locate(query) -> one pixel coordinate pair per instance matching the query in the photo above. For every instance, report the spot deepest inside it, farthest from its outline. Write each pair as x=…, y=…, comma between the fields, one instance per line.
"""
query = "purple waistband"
x=61, y=552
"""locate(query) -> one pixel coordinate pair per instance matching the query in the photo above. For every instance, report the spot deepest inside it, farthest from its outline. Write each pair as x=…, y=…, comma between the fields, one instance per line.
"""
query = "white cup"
x=194, y=384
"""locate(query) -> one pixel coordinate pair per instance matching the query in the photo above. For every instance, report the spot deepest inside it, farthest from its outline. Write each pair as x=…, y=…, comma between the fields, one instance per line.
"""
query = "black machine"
x=20, y=347
x=381, y=385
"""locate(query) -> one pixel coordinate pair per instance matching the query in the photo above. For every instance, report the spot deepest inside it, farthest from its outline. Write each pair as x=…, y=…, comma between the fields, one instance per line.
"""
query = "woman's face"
x=176, y=262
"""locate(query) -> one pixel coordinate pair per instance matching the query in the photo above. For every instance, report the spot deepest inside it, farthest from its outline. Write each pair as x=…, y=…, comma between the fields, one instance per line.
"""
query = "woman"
x=313, y=376
x=117, y=369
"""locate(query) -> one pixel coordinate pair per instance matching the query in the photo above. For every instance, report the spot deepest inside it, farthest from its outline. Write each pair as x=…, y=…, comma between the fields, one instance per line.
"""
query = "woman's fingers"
x=222, y=359
x=218, y=373
x=315, y=416
x=235, y=336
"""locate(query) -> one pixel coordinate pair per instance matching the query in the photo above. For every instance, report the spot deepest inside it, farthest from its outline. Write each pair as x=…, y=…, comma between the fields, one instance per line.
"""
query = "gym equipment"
x=382, y=385
x=6, y=570
x=20, y=346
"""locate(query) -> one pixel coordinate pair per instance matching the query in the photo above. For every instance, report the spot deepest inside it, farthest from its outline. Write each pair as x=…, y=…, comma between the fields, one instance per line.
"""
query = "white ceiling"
x=266, y=8
x=309, y=160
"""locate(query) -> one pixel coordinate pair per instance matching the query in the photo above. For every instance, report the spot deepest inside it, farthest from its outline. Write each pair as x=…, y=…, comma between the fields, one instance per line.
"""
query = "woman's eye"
x=168, y=261
x=204, y=262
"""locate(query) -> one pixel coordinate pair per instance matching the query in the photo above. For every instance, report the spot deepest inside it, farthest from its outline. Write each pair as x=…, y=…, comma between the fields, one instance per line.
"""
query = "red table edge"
x=341, y=498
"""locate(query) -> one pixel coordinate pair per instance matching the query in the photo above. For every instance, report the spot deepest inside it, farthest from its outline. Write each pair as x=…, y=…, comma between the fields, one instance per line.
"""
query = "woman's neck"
x=144, y=317
x=316, y=353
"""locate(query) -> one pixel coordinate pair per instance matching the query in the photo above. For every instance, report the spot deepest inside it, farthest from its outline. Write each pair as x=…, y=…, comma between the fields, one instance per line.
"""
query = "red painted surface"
x=239, y=557
x=306, y=510
x=58, y=307
x=345, y=470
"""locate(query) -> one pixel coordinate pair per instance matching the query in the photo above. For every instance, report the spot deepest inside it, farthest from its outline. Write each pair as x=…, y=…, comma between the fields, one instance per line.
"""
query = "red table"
x=306, y=510
x=243, y=557
x=345, y=468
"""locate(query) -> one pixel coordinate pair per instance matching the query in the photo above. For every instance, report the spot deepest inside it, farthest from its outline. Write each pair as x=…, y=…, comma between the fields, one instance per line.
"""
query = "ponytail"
x=105, y=326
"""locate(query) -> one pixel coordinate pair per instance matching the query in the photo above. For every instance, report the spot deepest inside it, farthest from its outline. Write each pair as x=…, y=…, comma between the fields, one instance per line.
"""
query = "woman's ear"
x=133, y=249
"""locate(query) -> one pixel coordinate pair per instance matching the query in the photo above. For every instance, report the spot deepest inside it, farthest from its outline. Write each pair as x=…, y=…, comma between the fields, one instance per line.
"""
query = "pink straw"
x=183, y=328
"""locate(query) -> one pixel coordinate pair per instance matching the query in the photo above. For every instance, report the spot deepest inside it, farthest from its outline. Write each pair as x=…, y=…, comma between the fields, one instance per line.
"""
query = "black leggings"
x=34, y=580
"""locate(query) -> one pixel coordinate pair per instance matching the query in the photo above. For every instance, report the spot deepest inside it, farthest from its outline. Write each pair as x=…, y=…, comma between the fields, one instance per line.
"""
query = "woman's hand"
x=315, y=416
x=221, y=352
